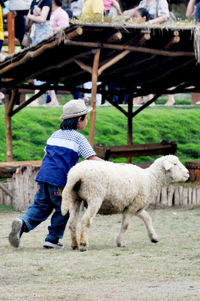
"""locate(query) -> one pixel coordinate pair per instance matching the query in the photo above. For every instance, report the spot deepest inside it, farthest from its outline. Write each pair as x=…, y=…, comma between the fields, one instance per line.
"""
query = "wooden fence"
x=19, y=191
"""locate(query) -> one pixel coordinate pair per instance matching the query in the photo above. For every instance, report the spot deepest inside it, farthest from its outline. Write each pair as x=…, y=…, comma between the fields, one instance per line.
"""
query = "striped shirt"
x=63, y=150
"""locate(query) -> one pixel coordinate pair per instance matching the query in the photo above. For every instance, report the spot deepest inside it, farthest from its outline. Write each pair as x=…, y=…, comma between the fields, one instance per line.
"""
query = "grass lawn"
x=32, y=126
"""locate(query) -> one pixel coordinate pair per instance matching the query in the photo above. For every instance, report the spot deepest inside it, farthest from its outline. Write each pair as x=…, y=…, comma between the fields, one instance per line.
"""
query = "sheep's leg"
x=144, y=215
x=124, y=227
x=87, y=221
x=74, y=213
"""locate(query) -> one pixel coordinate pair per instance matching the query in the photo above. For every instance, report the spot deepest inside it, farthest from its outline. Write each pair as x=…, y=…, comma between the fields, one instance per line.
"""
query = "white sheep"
x=110, y=188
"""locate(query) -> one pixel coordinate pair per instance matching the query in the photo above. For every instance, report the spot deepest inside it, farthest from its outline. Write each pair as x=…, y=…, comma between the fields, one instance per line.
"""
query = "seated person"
x=158, y=9
x=59, y=17
x=142, y=15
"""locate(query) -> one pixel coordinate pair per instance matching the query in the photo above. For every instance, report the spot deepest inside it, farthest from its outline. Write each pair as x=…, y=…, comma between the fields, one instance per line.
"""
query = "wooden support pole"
x=93, y=99
x=11, y=33
x=130, y=124
x=12, y=101
x=9, y=151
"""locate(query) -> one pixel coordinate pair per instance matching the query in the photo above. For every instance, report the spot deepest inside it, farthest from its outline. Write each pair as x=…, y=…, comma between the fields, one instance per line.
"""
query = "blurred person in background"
x=92, y=10
x=38, y=20
x=59, y=18
x=193, y=10
x=76, y=7
x=19, y=9
x=111, y=3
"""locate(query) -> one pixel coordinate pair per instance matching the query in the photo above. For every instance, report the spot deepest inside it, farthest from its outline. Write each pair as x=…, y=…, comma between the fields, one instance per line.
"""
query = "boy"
x=62, y=151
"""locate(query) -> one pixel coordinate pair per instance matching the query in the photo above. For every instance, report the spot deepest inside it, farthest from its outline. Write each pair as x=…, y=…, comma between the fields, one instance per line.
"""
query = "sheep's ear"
x=167, y=165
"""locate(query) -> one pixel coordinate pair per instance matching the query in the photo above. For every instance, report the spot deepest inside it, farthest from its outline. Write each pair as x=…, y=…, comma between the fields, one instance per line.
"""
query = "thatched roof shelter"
x=138, y=59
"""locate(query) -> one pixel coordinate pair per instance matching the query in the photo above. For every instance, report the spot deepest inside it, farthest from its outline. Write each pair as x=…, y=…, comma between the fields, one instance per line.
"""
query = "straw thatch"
x=138, y=58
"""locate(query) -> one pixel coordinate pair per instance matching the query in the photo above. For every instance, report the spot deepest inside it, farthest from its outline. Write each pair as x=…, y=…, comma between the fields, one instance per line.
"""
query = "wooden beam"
x=8, y=192
x=113, y=61
x=108, y=97
x=77, y=32
x=131, y=48
x=93, y=98
x=9, y=151
x=146, y=105
x=7, y=169
x=83, y=66
x=27, y=102
x=144, y=38
x=115, y=37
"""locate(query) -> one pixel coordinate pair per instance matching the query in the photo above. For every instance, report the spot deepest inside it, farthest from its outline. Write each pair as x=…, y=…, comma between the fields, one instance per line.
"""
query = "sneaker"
x=14, y=236
x=51, y=245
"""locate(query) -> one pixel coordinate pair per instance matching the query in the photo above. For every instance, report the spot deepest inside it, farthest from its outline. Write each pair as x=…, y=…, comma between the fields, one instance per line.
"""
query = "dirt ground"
x=142, y=271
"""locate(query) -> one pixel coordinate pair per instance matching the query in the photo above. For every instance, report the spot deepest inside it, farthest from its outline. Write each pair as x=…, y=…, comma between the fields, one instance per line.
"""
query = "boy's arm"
x=95, y=158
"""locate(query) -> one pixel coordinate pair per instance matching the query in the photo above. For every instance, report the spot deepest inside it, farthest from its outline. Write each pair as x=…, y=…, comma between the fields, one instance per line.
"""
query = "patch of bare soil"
x=169, y=270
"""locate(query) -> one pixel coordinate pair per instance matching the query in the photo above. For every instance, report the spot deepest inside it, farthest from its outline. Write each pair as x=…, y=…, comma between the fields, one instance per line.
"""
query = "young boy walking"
x=62, y=151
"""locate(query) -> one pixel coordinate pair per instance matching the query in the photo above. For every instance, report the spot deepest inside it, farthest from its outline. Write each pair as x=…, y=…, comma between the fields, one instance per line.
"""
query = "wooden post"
x=93, y=99
x=130, y=125
x=11, y=33
x=195, y=98
x=24, y=187
x=9, y=151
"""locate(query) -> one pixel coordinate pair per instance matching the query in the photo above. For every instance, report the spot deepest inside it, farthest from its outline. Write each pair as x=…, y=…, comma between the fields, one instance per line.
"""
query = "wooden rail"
x=7, y=169
x=135, y=150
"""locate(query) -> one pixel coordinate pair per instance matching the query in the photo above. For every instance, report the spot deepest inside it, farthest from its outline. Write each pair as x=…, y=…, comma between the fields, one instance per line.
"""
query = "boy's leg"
x=58, y=221
x=36, y=213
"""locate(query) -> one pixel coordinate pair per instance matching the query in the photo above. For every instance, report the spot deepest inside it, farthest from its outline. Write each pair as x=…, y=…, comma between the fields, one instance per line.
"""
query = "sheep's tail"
x=69, y=195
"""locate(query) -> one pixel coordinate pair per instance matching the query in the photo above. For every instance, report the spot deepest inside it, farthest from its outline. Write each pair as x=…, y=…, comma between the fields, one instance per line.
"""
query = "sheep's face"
x=174, y=169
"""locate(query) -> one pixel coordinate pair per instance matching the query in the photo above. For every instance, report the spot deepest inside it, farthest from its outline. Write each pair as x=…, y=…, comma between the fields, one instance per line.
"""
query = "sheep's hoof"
x=74, y=247
x=83, y=247
x=154, y=240
x=121, y=244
